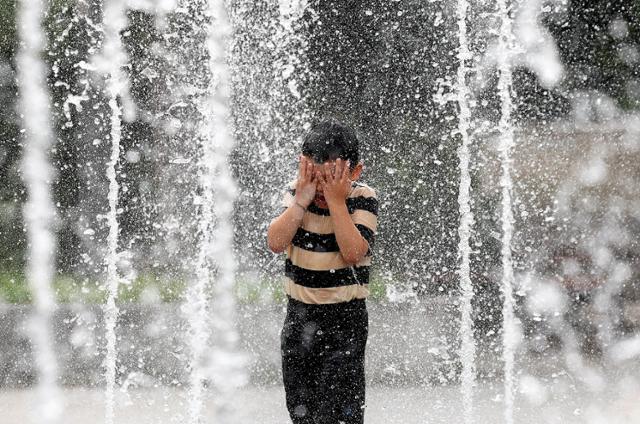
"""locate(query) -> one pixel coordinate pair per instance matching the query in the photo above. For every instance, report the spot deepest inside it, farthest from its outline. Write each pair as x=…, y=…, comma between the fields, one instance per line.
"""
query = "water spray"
x=467, y=341
x=39, y=210
x=113, y=59
x=506, y=134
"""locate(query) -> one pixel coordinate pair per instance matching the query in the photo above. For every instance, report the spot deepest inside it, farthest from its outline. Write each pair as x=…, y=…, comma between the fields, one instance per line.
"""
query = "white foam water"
x=219, y=362
x=39, y=210
x=506, y=134
x=196, y=307
x=227, y=369
x=113, y=58
x=467, y=341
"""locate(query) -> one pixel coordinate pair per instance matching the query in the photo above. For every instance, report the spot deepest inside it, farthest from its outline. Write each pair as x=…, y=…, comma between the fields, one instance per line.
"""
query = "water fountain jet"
x=506, y=136
x=467, y=342
x=219, y=362
x=39, y=211
x=113, y=60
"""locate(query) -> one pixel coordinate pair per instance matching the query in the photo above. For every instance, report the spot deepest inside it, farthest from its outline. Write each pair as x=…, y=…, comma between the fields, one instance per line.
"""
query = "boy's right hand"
x=306, y=184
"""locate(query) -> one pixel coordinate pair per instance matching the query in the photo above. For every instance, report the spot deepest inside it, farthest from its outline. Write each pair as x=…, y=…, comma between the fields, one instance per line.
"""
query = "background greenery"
x=149, y=289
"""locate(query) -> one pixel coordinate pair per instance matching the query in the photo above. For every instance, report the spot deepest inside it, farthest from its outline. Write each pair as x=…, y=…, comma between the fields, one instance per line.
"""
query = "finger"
x=341, y=167
x=328, y=175
x=334, y=171
x=320, y=178
x=345, y=171
x=301, y=166
x=309, y=170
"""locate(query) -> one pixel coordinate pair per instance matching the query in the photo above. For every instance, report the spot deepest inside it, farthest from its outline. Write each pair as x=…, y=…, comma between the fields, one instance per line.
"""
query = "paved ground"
x=561, y=402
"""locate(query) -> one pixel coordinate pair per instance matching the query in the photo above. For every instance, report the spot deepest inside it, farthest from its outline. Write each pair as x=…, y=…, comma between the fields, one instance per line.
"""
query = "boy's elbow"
x=277, y=249
x=272, y=243
x=274, y=247
x=356, y=255
x=352, y=258
x=350, y=261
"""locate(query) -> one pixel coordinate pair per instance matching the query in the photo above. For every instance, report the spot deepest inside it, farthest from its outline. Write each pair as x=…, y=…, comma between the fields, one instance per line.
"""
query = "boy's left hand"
x=336, y=185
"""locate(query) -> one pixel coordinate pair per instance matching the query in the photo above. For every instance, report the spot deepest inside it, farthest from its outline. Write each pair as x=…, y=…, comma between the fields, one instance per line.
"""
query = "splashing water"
x=112, y=61
x=221, y=363
x=39, y=210
x=196, y=307
x=467, y=348
x=227, y=370
x=506, y=134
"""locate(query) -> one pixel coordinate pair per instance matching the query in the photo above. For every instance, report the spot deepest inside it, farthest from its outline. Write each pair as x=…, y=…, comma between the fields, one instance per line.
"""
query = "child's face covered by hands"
x=324, y=183
x=334, y=183
x=308, y=188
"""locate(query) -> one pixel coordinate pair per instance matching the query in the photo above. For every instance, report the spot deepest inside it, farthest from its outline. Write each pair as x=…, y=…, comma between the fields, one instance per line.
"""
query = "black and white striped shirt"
x=315, y=271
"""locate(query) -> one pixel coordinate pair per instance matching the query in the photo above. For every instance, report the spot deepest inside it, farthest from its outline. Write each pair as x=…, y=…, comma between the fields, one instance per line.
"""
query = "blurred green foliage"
x=151, y=289
x=146, y=288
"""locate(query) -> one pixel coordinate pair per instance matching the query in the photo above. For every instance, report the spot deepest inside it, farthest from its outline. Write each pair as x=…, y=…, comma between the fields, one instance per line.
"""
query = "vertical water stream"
x=506, y=134
x=467, y=342
x=39, y=210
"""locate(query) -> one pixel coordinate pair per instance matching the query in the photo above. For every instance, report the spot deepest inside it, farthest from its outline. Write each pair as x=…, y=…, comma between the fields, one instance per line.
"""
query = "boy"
x=326, y=230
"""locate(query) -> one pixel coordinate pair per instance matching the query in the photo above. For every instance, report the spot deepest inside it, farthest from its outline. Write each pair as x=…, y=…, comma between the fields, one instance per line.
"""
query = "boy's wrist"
x=304, y=203
x=298, y=211
x=336, y=205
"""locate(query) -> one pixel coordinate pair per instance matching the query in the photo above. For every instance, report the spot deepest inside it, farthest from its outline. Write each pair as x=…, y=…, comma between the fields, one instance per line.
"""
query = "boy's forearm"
x=353, y=246
x=283, y=228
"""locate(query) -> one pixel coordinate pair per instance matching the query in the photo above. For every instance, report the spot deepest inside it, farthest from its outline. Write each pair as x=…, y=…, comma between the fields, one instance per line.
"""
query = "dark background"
x=372, y=64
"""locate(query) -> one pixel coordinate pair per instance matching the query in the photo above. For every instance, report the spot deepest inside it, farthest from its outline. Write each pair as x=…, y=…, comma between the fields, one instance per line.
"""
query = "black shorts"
x=323, y=362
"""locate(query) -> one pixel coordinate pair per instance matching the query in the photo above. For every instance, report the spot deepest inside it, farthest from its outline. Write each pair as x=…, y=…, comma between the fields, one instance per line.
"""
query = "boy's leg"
x=299, y=370
x=341, y=383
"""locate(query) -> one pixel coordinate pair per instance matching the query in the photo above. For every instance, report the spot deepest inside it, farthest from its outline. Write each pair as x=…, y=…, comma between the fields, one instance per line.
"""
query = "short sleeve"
x=363, y=203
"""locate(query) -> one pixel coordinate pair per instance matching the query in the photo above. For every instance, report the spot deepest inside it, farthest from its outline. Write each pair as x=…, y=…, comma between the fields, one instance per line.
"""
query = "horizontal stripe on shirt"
x=318, y=296
x=320, y=261
x=366, y=233
x=324, y=224
x=324, y=279
x=365, y=218
x=315, y=242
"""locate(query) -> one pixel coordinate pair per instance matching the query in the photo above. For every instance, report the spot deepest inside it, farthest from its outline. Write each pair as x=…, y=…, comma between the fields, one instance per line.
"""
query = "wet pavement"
x=560, y=402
